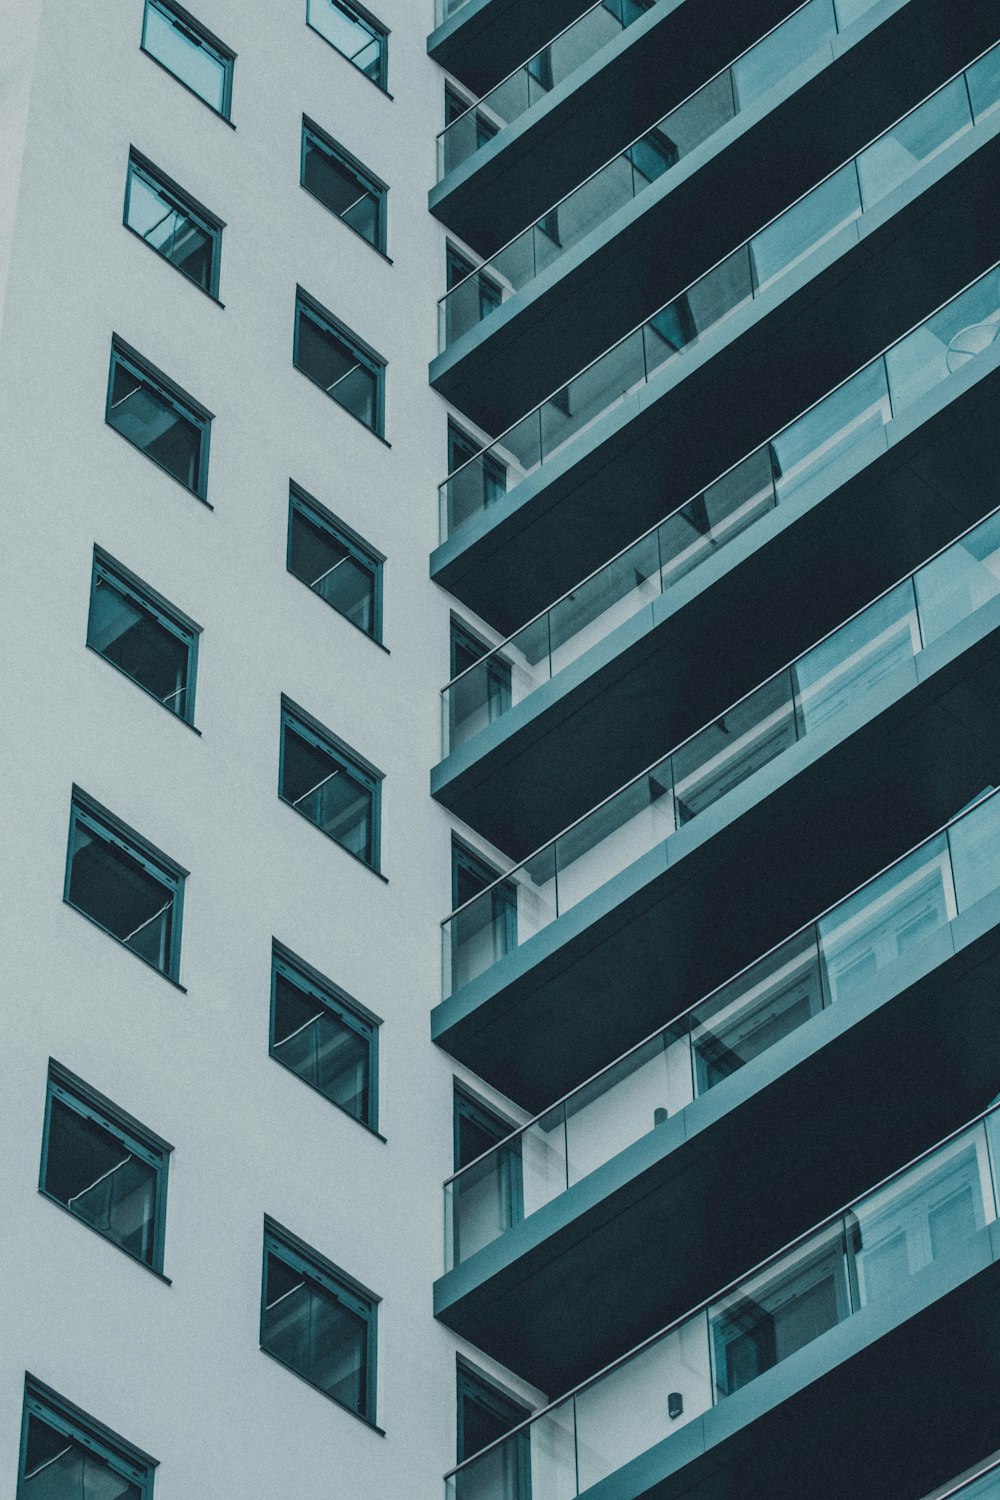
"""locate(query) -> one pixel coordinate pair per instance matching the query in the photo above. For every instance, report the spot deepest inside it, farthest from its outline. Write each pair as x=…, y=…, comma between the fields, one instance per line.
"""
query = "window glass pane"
x=342, y=189
x=307, y=1327
x=189, y=56
x=318, y=557
x=133, y=639
x=58, y=1468
x=119, y=893
x=159, y=219
x=327, y=358
x=96, y=1176
x=359, y=41
x=143, y=415
x=328, y=793
x=315, y=1043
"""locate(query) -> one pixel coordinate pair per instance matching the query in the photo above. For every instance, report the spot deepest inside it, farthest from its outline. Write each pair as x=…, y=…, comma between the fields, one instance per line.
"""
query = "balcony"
x=481, y=41
x=498, y=174
x=528, y=516
x=860, y=420
x=644, y=223
x=671, y=1168
x=767, y=1387
x=860, y=731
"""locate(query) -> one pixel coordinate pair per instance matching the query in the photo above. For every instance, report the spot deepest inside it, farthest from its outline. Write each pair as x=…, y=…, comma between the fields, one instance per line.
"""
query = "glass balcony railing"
x=829, y=680
x=982, y=1486
x=840, y=199
x=919, y=1217
x=771, y=475
x=835, y=957
x=740, y=84
x=483, y=120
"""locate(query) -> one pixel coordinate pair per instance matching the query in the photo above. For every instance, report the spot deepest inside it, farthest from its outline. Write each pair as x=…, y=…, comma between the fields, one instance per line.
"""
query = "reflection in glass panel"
x=153, y=422
x=171, y=228
x=188, y=54
x=974, y=842
x=321, y=1046
x=342, y=187
x=328, y=791
x=329, y=358
x=100, y=1179
x=131, y=636
x=922, y=1217
x=57, y=1467
x=830, y=428
x=780, y=1311
x=984, y=84
x=959, y=581
x=736, y=745
x=353, y=35
x=836, y=674
x=338, y=572
x=805, y=226
x=946, y=343
x=775, y=55
x=914, y=141
x=119, y=892
x=887, y=919
x=308, y=1328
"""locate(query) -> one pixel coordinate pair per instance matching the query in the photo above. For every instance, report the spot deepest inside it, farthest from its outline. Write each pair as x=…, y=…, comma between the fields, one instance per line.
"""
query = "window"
x=158, y=418
x=194, y=56
x=318, y=1321
x=342, y=185
x=173, y=224
x=488, y=1198
x=144, y=637
x=324, y=1037
x=481, y=482
x=338, y=362
x=480, y=697
x=65, y=1454
x=487, y=930
x=486, y=1413
x=354, y=33
x=327, y=784
x=104, y=1167
x=454, y=109
x=489, y=292
x=124, y=885
x=328, y=557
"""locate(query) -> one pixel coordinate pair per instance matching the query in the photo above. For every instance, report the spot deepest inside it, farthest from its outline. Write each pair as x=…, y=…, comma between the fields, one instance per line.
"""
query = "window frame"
x=471, y=1383
x=344, y=1289
x=140, y=368
x=357, y=1017
x=378, y=189
x=364, y=354
x=171, y=619
x=300, y=501
x=208, y=222
x=87, y=1432
x=112, y=830
x=86, y=1102
x=206, y=39
x=367, y=775
x=379, y=30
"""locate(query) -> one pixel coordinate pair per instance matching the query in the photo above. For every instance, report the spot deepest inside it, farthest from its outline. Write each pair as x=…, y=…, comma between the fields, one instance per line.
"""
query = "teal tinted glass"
x=189, y=54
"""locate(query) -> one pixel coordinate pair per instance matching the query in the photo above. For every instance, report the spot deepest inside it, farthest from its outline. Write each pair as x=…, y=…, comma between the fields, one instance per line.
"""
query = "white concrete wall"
x=177, y=1369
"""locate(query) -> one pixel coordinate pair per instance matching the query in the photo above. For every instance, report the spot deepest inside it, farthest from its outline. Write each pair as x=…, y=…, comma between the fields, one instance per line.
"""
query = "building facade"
x=704, y=1049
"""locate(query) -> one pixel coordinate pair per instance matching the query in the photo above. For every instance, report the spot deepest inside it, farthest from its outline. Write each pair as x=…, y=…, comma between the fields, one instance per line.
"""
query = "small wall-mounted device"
x=660, y=1116
x=675, y=1405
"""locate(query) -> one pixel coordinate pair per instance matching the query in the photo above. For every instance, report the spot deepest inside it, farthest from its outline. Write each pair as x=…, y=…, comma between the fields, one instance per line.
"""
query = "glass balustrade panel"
x=912, y=143
x=984, y=84
x=805, y=226
x=613, y=836
x=739, y=743
x=748, y=1016
x=946, y=343
x=975, y=853
x=777, y=55
x=810, y=445
x=959, y=581
x=887, y=920
x=922, y=1217
x=837, y=675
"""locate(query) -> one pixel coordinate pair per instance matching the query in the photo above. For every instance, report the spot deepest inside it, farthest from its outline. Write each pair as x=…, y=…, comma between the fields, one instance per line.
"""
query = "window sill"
x=118, y=943
x=120, y=1248
x=145, y=691
x=336, y=842
x=188, y=89
x=365, y=1421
